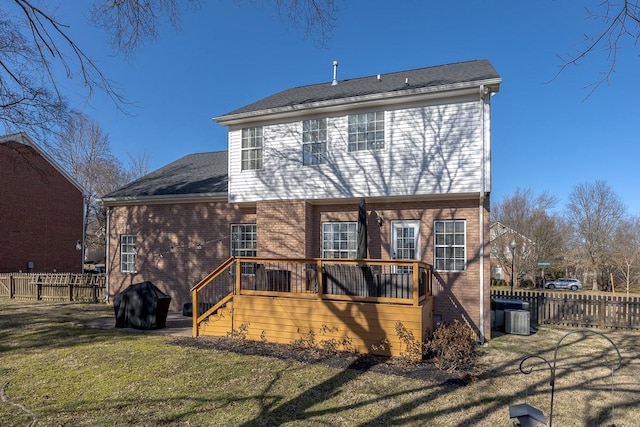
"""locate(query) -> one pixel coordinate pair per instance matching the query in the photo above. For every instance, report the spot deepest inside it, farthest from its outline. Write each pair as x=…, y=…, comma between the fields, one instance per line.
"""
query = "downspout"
x=483, y=92
x=107, y=267
x=85, y=216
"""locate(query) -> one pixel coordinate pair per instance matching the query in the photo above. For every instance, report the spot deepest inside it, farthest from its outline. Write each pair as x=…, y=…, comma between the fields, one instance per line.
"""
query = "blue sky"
x=546, y=135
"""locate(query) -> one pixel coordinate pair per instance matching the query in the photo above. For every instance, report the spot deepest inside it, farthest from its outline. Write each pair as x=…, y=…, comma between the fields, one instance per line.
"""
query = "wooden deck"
x=344, y=304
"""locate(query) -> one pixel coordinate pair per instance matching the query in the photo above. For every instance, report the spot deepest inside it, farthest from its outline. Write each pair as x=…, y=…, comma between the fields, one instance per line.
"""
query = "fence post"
x=70, y=291
x=539, y=307
x=602, y=309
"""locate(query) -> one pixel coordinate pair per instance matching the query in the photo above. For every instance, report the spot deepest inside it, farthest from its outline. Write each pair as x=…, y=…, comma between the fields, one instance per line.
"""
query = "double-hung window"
x=339, y=240
x=252, y=141
x=450, y=245
x=244, y=242
x=314, y=141
x=128, y=253
x=366, y=131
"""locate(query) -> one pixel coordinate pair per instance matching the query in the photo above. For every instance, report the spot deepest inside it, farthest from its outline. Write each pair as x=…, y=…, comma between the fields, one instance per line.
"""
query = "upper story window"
x=128, y=253
x=252, y=148
x=339, y=240
x=450, y=245
x=366, y=131
x=314, y=141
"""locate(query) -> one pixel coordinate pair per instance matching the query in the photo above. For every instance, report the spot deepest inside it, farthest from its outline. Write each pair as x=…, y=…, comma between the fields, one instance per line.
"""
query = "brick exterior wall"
x=457, y=295
x=41, y=213
x=290, y=228
x=177, y=244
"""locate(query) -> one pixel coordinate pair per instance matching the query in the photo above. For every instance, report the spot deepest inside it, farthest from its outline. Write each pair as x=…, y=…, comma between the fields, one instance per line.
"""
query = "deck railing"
x=405, y=282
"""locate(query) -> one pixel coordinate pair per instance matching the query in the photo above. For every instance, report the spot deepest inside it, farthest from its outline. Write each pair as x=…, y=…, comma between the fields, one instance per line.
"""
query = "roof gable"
x=24, y=139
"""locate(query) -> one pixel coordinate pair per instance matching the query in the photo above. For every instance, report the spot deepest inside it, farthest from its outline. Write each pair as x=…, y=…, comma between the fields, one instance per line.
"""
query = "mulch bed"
x=419, y=370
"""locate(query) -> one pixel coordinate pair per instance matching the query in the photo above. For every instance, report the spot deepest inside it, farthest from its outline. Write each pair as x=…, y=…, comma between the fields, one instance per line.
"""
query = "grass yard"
x=57, y=372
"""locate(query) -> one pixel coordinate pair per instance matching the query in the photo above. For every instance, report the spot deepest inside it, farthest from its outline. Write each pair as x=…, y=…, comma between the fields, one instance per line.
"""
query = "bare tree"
x=84, y=149
x=595, y=212
x=620, y=21
x=132, y=23
x=34, y=43
x=28, y=100
x=313, y=16
x=533, y=229
x=626, y=251
x=138, y=165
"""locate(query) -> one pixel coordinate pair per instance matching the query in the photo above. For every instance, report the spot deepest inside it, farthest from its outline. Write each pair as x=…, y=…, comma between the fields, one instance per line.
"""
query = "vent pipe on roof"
x=335, y=73
x=379, y=77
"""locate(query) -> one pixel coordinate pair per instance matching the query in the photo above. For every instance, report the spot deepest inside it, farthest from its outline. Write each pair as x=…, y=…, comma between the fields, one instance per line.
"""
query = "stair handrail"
x=215, y=273
x=222, y=268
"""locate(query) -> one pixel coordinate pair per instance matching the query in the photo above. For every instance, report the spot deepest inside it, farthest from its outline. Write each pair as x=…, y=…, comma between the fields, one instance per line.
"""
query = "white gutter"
x=85, y=215
x=107, y=265
x=339, y=104
x=164, y=199
x=483, y=92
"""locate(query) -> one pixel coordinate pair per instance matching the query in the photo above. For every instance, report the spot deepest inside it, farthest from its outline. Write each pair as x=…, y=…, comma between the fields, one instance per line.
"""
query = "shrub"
x=527, y=284
x=240, y=333
x=413, y=349
x=452, y=346
x=499, y=282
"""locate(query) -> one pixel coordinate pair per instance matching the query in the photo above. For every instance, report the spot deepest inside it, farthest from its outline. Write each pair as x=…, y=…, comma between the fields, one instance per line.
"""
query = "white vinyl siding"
x=429, y=150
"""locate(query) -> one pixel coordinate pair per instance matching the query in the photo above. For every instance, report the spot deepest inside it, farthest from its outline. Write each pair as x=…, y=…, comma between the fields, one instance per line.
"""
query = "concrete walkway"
x=177, y=325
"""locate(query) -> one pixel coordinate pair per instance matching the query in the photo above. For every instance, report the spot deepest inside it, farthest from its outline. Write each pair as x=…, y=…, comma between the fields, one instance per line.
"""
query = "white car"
x=564, y=283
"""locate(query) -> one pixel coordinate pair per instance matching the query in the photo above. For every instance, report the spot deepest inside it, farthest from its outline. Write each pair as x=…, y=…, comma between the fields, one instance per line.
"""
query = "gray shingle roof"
x=201, y=173
x=437, y=76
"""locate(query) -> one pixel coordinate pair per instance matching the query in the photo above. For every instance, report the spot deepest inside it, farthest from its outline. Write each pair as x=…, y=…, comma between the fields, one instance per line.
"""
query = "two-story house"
x=41, y=210
x=414, y=145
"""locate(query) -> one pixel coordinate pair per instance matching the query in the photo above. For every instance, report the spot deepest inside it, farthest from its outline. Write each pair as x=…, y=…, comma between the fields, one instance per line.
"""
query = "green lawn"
x=61, y=373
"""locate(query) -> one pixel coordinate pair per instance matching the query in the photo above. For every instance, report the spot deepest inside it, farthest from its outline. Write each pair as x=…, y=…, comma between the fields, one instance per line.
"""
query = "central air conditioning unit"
x=517, y=322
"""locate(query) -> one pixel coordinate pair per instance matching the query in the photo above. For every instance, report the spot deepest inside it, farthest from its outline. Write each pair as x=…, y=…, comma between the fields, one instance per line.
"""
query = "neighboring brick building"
x=41, y=210
x=415, y=144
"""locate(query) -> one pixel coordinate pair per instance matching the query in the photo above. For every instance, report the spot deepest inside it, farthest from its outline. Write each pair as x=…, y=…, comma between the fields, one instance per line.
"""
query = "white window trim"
x=252, y=149
x=245, y=249
x=320, y=157
x=405, y=224
x=248, y=269
x=384, y=133
x=354, y=225
x=124, y=254
x=436, y=246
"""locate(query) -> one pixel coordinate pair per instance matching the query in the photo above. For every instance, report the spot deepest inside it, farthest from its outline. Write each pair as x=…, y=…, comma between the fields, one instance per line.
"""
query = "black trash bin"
x=141, y=306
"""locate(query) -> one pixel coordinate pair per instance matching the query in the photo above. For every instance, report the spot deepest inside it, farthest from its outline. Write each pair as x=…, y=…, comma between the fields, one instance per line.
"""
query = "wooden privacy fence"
x=84, y=287
x=578, y=310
